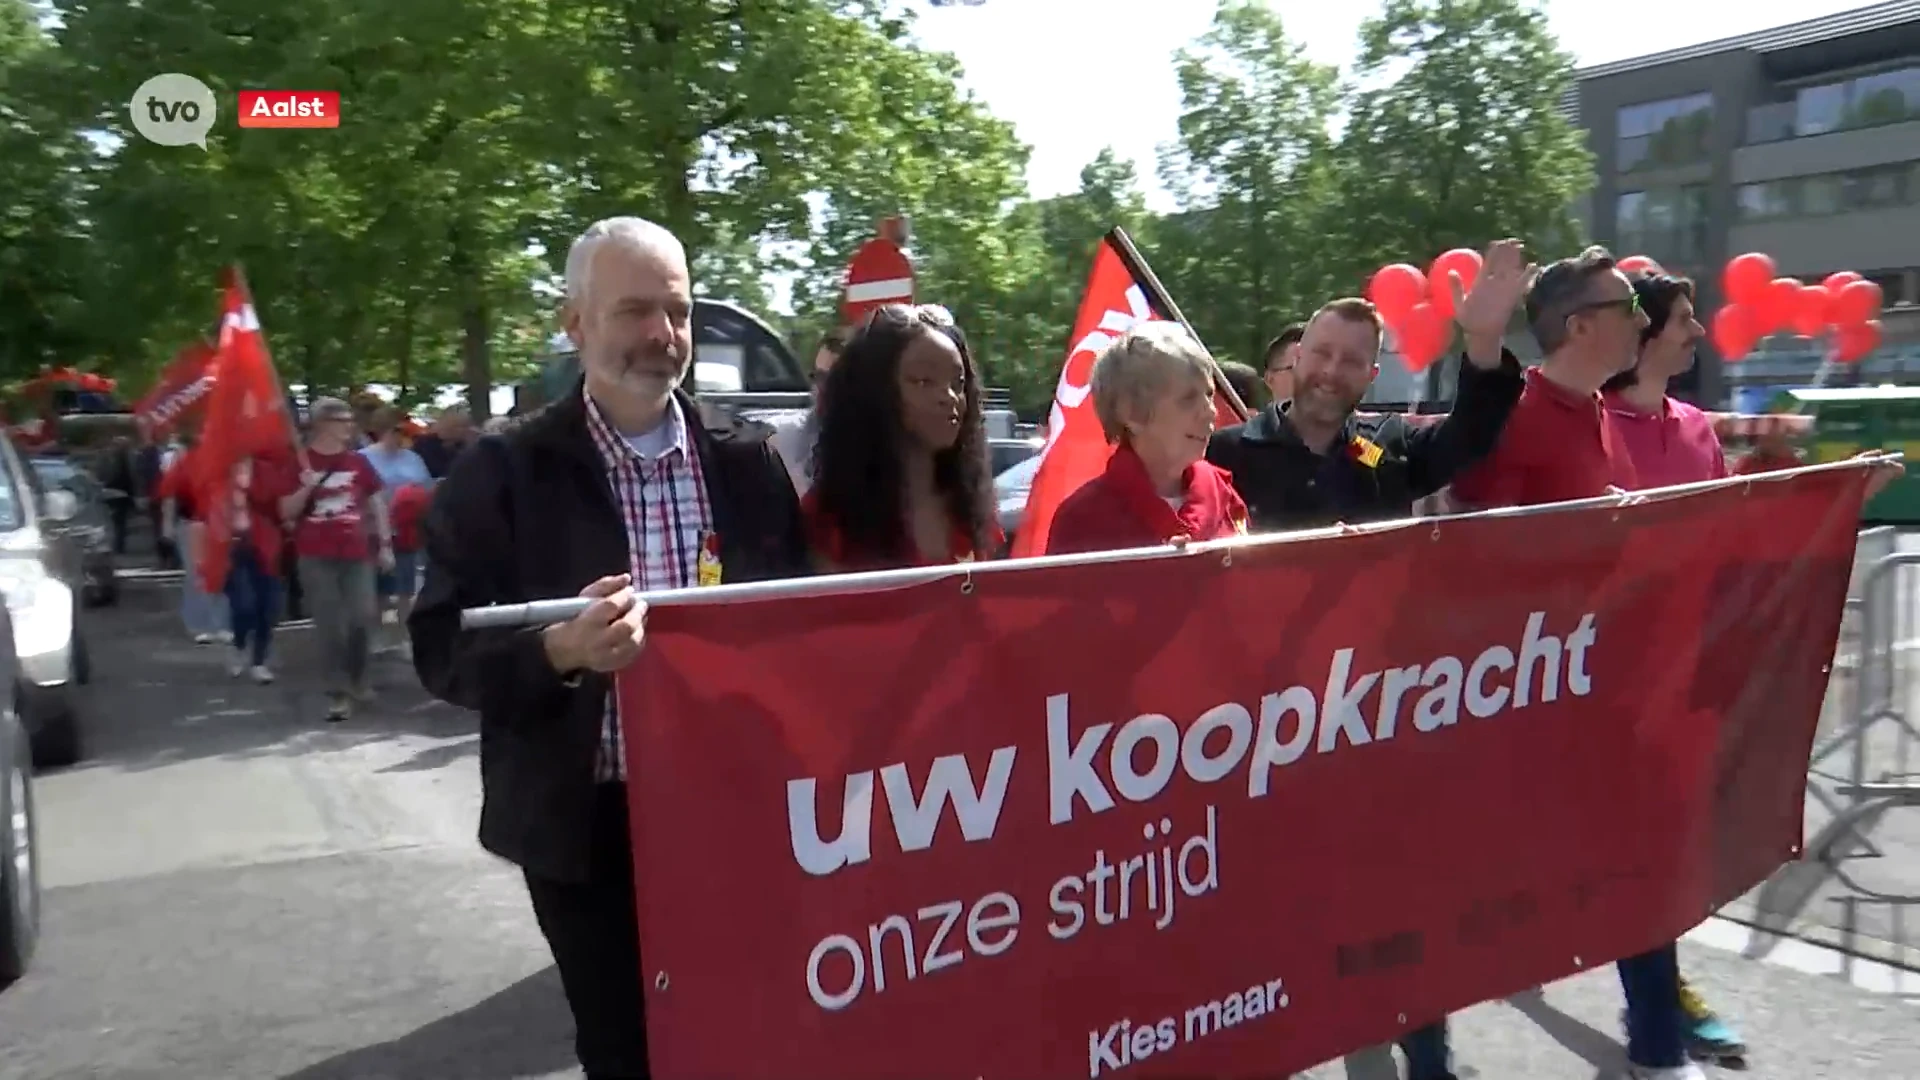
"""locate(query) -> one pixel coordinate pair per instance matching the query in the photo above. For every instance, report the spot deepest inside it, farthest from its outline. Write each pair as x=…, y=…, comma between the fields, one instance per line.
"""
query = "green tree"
x=43, y=265
x=1467, y=143
x=1250, y=171
x=930, y=151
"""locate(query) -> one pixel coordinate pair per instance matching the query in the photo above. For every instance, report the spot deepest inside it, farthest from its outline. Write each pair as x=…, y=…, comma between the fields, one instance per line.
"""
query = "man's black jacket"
x=1287, y=486
x=530, y=515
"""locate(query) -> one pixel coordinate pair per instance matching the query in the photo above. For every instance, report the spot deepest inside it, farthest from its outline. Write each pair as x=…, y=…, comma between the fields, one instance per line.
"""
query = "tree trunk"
x=469, y=282
x=403, y=354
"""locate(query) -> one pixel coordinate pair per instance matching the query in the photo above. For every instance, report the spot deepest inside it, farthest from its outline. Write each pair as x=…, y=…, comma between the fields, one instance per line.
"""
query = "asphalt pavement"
x=235, y=889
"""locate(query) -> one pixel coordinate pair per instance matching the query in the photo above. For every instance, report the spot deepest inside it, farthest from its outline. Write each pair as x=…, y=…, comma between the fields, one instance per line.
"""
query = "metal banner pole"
x=549, y=612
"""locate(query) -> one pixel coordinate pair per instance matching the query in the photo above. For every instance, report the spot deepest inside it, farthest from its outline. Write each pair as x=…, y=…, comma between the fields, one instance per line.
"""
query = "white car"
x=44, y=610
x=1010, y=490
x=19, y=868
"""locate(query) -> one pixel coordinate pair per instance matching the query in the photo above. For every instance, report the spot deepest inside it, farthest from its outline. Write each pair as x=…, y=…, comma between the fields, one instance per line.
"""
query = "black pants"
x=296, y=607
x=593, y=930
x=166, y=553
x=118, y=513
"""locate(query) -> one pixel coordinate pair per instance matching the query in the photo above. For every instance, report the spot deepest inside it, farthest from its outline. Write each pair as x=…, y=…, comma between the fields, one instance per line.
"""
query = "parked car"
x=19, y=865
x=1004, y=454
x=44, y=610
x=83, y=547
x=1010, y=490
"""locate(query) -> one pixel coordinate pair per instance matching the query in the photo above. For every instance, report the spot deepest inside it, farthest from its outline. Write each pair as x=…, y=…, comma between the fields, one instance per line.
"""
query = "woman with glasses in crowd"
x=900, y=470
x=1152, y=390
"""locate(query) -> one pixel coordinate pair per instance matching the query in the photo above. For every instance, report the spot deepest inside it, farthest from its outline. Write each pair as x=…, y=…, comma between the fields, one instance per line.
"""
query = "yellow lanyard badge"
x=709, y=563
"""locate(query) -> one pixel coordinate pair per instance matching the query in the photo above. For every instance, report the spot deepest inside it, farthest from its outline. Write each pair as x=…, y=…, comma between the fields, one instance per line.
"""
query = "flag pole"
x=1162, y=301
x=273, y=370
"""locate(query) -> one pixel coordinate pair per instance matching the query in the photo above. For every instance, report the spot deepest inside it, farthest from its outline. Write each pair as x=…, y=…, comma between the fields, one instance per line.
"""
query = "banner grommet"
x=660, y=981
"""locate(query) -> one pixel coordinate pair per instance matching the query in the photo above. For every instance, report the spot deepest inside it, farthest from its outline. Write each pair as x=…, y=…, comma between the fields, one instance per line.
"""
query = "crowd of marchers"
x=627, y=484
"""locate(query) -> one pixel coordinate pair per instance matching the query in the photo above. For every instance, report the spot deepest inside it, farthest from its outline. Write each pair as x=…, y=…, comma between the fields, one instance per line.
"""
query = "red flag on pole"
x=1116, y=298
x=179, y=393
x=246, y=418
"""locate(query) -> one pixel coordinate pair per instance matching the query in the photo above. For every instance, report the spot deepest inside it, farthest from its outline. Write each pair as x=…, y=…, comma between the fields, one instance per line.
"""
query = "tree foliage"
x=419, y=243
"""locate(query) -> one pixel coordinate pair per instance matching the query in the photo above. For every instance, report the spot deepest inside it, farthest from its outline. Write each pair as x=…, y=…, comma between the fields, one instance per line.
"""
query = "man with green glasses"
x=1558, y=445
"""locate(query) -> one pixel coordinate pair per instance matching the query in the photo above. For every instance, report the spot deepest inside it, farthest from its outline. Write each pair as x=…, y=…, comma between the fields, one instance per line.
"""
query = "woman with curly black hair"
x=900, y=469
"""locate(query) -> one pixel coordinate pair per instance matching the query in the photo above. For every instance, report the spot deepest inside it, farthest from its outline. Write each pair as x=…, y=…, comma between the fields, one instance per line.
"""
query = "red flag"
x=180, y=392
x=246, y=418
x=1077, y=448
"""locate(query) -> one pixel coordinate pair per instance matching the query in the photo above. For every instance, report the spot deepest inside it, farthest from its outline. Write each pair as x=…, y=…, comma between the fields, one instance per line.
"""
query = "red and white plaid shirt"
x=663, y=502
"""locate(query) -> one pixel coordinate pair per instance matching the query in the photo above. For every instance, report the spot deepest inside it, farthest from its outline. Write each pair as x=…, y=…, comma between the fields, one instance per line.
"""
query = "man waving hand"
x=1313, y=461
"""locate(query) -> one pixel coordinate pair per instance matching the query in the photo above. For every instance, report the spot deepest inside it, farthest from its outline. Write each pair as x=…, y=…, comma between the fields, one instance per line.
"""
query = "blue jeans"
x=253, y=598
x=404, y=581
x=1428, y=1057
x=1656, y=1030
x=202, y=612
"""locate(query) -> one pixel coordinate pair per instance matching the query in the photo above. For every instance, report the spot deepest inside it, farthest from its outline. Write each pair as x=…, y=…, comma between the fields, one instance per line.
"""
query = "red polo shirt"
x=1557, y=446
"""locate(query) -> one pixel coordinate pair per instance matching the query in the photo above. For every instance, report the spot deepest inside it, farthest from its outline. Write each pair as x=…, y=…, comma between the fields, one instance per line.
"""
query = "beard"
x=656, y=368
x=1322, y=403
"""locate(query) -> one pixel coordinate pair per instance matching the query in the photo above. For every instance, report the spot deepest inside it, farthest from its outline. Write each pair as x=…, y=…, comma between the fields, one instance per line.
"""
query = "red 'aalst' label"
x=289, y=108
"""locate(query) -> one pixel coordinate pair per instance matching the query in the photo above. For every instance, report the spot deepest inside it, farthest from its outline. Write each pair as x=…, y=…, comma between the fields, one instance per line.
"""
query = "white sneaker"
x=262, y=674
x=203, y=639
x=237, y=664
x=224, y=637
x=1689, y=1071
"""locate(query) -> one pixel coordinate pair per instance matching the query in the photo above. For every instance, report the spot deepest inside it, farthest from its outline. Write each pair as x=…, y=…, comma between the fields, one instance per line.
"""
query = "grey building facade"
x=1802, y=142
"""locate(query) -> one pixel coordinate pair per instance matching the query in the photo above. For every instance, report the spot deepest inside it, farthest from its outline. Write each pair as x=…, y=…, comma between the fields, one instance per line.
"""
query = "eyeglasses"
x=1628, y=305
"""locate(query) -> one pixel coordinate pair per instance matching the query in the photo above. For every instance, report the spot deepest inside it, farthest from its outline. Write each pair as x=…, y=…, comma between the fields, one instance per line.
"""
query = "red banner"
x=1228, y=813
x=179, y=393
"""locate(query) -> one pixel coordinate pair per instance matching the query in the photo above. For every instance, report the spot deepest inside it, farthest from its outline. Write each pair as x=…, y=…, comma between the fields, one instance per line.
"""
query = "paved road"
x=236, y=890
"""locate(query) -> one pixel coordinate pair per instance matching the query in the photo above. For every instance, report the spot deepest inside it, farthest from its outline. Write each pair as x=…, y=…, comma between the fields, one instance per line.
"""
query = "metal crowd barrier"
x=1879, y=654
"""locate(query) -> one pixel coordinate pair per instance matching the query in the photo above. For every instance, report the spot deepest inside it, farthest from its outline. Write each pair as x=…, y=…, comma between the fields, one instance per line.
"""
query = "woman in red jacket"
x=900, y=468
x=1153, y=392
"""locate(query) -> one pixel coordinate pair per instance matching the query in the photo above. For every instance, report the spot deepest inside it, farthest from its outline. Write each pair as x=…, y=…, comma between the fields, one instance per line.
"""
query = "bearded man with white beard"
x=621, y=487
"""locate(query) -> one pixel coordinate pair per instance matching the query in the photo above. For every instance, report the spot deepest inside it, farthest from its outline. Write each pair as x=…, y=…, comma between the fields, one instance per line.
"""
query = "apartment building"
x=1802, y=142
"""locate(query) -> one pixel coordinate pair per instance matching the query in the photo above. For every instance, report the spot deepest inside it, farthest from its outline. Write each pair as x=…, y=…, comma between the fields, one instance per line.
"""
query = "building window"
x=1668, y=225
x=1880, y=188
x=1764, y=202
x=1821, y=195
x=1661, y=134
x=1887, y=97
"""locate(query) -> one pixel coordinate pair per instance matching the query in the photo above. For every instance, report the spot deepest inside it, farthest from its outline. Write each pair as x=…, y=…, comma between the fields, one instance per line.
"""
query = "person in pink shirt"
x=1669, y=441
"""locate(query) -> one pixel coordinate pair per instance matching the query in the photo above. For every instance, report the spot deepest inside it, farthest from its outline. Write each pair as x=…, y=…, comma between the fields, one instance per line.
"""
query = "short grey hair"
x=1560, y=290
x=638, y=234
x=329, y=408
x=1138, y=367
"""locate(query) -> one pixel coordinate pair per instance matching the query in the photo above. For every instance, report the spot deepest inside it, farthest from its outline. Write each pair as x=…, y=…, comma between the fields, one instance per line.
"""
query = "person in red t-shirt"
x=1153, y=392
x=340, y=533
x=900, y=473
x=1559, y=444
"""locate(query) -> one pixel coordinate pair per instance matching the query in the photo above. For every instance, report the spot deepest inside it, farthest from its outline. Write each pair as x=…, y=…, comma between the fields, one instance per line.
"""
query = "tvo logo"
x=173, y=110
